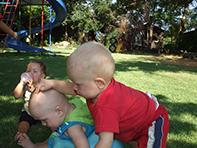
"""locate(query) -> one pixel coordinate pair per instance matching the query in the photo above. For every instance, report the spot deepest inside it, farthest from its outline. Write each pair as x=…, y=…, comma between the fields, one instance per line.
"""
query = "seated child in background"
x=119, y=111
x=38, y=71
x=6, y=29
x=72, y=119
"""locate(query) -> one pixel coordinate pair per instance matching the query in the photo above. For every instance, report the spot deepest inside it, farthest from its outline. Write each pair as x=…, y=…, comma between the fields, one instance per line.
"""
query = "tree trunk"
x=66, y=33
x=172, y=33
x=151, y=33
x=182, y=23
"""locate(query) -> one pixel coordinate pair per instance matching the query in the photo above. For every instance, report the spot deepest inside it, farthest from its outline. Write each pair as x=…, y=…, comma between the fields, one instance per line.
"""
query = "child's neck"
x=69, y=109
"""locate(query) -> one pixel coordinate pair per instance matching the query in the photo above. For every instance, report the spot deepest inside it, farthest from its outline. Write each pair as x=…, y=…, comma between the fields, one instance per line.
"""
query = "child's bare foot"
x=17, y=136
x=25, y=142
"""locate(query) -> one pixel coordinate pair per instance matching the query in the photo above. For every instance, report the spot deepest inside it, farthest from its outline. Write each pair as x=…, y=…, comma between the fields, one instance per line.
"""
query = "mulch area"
x=179, y=60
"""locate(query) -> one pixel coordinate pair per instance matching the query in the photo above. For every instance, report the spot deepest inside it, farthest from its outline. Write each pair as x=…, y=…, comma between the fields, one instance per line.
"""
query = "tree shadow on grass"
x=179, y=127
x=12, y=68
x=177, y=108
x=9, y=117
x=180, y=144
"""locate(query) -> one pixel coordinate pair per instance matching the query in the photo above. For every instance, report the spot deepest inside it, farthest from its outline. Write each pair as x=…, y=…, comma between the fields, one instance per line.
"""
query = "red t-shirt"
x=123, y=111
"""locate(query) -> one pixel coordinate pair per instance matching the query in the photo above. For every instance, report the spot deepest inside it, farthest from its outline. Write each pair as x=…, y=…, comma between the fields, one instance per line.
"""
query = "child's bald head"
x=46, y=101
x=91, y=59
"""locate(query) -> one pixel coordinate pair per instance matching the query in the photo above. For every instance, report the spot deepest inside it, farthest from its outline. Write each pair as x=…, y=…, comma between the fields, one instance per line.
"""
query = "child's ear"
x=43, y=76
x=59, y=110
x=100, y=82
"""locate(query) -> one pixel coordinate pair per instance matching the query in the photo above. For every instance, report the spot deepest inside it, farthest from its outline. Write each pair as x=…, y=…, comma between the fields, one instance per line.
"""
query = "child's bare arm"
x=64, y=87
x=19, y=91
x=105, y=140
x=76, y=133
x=7, y=30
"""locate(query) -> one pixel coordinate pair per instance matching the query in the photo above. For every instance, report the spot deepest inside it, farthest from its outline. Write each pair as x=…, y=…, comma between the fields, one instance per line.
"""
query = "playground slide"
x=60, y=10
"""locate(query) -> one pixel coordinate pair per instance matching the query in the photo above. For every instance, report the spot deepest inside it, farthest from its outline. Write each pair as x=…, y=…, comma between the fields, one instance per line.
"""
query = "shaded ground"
x=179, y=60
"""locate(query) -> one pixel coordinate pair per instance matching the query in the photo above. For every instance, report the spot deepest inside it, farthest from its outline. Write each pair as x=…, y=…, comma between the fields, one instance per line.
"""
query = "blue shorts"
x=28, y=118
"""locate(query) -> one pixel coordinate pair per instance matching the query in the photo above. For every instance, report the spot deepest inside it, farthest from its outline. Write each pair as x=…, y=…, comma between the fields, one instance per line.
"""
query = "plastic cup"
x=26, y=77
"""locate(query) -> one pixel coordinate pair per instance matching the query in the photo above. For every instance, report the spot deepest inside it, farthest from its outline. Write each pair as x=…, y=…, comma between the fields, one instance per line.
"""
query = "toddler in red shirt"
x=119, y=111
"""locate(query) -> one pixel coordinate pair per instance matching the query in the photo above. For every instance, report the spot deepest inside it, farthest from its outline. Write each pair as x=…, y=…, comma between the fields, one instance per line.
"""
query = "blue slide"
x=60, y=10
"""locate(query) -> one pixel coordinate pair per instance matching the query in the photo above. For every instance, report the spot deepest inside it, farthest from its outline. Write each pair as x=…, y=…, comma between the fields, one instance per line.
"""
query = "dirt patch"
x=178, y=60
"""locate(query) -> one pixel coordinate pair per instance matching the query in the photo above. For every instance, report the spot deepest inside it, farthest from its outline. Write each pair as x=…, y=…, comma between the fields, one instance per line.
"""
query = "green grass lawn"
x=174, y=85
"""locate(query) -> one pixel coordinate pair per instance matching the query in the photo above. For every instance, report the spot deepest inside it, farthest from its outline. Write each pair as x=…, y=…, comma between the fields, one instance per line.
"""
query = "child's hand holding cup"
x=25, y=77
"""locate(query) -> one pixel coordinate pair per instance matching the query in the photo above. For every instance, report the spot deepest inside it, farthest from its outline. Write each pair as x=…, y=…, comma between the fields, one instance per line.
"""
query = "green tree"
x=140, y=13
x=172, y=15
x=35, y=14
x=85, y=16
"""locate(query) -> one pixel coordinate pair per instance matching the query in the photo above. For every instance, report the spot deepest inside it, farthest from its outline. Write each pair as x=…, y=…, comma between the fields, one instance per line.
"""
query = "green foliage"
x=70, y=39
x=89, y=15
x=166, y=14
x=84, y=16
x=45, y=43
x=80, y=18
x=36, y=15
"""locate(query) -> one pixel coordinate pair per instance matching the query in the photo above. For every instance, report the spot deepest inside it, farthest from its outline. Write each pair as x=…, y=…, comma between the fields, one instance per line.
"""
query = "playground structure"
x=115, y=42
x=10, y=9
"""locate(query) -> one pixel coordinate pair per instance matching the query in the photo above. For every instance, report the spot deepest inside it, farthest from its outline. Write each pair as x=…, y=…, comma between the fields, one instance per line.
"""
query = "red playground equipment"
x=8, y=16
